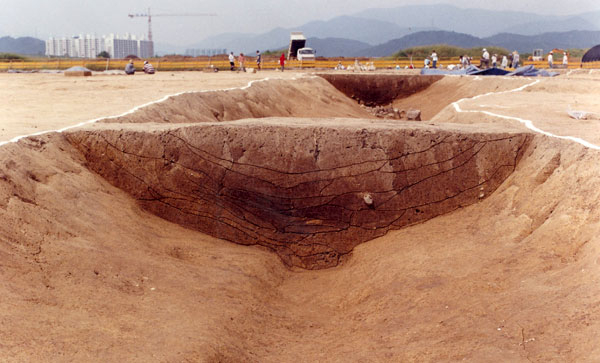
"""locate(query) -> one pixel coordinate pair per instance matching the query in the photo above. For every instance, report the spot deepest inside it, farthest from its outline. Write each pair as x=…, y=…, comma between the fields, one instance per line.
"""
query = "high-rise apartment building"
x=89, y=46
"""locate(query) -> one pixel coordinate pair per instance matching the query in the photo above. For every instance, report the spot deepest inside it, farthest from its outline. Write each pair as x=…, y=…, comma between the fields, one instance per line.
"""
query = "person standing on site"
x=550, y=60
x=485, y=59
x=434, y=59
x=242, y=60
x=565, y=60
x=495, y=61
x=231, y=61
x=258, y=60
x=465, y=61
x=504, y=63
x=515, y=59
x=282, y=61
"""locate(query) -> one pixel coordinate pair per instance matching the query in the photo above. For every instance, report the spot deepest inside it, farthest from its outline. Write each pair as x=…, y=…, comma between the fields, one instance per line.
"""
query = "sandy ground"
x=31, y=103
x=86, y=275
x=37, y=102
x=545, y=102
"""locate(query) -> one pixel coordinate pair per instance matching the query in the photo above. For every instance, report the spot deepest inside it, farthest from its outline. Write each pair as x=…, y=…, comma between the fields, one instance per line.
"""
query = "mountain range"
x=24, y=45
x=480, y=22
x=382, y=32
x=368, y=31
x=378, y=26
x=521, y=43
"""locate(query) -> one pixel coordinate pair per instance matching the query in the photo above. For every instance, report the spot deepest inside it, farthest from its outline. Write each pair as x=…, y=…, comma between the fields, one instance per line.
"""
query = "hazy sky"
x=43, y=18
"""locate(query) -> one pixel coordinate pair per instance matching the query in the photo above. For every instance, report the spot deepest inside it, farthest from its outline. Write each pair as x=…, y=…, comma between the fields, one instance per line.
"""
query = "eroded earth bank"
x=284, y=223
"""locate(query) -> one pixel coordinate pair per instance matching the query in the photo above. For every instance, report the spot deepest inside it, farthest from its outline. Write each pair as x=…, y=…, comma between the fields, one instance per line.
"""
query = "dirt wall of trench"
x=381, y=89
x=302, y=190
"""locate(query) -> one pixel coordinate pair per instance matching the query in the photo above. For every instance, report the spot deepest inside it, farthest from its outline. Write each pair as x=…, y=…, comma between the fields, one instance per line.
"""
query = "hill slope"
x=370, y=31
x=547, y=41
x=381, y=25
x=335, y=47
x=480, y=22
x=522, y=43
x=421, y=38
x=24, y=45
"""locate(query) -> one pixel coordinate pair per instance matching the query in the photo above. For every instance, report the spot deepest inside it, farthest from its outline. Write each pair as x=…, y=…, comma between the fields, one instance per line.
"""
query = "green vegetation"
x=275, y=53
x=11, y=56
x=446, y=51
x=103, y=54
x=576, y=53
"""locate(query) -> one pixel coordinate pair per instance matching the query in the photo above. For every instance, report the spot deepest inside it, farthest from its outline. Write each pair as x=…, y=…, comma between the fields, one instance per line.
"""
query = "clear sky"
x=44, y=18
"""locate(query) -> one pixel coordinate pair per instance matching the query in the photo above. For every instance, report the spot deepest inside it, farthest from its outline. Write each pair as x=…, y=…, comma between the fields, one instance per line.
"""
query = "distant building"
x=64, y=47
x=145, y=48
x=89, y=46
x=121, y=47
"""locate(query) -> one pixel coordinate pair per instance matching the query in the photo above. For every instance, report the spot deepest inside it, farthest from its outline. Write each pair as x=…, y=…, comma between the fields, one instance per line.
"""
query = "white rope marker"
x=528, y=123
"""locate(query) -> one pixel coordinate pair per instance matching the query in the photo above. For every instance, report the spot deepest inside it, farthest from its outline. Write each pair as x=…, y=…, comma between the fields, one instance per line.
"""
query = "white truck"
x=298, y=49
x=537, y=55
x=306, y=54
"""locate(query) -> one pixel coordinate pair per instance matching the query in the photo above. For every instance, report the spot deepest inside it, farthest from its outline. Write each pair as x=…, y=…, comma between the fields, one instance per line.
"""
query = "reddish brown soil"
x=87, y=274
x=381, y=89
x=300, y=189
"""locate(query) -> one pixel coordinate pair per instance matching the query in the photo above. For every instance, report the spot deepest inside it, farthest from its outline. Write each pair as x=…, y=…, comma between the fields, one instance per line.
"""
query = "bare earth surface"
x=36, y=102
x=93, y=269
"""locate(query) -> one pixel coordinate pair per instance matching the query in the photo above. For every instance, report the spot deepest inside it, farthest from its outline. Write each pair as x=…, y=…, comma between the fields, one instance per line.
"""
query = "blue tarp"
x=531, y=71
x=527, y=71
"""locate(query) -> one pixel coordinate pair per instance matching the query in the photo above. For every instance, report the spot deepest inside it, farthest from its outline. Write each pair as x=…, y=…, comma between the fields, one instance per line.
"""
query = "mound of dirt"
x=306, y=97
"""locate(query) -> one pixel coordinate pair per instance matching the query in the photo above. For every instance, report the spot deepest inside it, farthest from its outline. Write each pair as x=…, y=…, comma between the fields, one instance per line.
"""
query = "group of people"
x=565, y=60
x=511, y=60
x=242, y=61
x=491, y=61
x=149, y=69
x=431, y=61
x=486, y=60
x=130, y=68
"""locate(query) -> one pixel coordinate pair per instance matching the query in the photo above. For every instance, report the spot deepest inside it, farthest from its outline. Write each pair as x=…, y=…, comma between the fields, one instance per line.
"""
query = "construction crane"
x=149, y=16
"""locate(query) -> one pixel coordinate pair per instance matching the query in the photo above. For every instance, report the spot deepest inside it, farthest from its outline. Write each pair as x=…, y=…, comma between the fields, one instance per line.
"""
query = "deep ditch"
x=310, y=189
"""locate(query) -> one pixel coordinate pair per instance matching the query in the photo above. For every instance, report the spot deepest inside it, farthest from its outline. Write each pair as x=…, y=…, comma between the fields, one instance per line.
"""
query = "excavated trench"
x=309, y=183
x=380, y=90
x=483, y=238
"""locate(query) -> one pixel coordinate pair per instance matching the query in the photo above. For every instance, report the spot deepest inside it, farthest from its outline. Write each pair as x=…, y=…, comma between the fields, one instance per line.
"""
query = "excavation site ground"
x=299, y=217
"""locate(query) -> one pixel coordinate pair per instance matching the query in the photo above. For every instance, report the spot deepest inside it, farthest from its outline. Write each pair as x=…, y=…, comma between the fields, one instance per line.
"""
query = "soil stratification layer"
x=310, y=193
x=380, y=89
